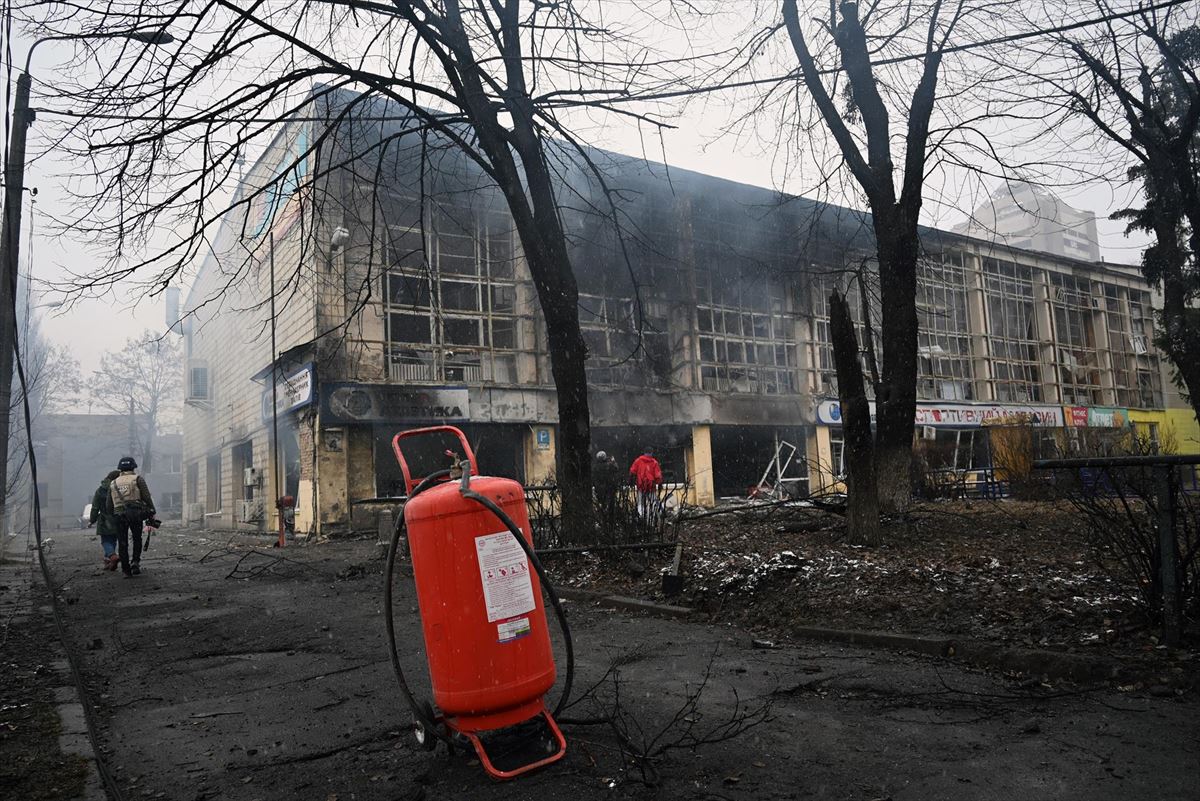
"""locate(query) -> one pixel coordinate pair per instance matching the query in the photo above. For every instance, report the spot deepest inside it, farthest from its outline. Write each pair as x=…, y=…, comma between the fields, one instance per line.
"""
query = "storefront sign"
x=829, y=412
x=1097, y=416
x=350, y=403
x=291, y=393
x=1076, y=415
x=975, y=415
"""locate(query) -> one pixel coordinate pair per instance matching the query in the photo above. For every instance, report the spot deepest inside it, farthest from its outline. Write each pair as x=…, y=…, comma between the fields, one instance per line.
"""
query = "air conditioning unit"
x=250, y=477
x=250, y=511
x=198, y=388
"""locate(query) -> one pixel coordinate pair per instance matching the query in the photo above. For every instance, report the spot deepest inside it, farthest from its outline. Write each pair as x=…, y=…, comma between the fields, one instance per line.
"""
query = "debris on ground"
x=1015, y=572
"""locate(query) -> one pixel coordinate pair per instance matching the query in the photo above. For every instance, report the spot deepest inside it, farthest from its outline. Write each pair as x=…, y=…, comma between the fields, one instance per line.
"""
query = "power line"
x=1015, y=37
x=639, y=98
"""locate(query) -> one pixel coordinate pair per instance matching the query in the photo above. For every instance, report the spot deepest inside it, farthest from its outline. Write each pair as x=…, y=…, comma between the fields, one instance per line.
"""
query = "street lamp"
x=10, y=229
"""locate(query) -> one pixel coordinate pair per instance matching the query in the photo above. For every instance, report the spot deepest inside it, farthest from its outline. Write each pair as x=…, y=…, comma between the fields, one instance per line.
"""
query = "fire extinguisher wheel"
x=425, y=738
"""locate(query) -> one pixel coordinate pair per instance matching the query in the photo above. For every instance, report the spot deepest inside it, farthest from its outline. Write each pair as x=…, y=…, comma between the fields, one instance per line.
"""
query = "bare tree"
x=165, y=128
x=53, y=382
x=1137, y=81
x=850, y=44
x=143, y=381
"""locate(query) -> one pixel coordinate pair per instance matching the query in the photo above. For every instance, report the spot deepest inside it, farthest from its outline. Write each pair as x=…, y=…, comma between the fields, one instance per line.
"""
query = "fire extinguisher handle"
x=409, y=481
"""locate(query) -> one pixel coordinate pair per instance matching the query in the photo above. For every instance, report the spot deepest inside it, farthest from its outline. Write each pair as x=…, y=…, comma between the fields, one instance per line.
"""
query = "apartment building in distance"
x=402, y=300
x=1024, y=216
x=75, y=451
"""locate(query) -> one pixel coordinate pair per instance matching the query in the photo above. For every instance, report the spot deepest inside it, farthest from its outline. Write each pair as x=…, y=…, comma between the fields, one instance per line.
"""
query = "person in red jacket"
x=646, y=475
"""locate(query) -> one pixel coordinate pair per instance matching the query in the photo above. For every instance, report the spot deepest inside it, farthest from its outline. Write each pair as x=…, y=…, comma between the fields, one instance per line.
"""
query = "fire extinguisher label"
x=513, y=629
x=504, y=570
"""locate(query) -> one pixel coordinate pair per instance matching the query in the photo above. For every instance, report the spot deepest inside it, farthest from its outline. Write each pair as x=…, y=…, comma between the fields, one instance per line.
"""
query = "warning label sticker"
x=507, y=590
x=513, y=629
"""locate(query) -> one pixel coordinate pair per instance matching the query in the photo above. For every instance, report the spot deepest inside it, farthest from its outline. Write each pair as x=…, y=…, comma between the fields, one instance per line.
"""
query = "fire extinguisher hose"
x=419, y=712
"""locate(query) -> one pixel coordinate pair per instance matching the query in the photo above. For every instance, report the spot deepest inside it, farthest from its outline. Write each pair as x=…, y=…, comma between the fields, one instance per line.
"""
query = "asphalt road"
x=266, y=679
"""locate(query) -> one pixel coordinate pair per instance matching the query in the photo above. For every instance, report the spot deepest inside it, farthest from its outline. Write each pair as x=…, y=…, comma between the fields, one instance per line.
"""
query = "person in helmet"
x=132, y=505
x=606, y=476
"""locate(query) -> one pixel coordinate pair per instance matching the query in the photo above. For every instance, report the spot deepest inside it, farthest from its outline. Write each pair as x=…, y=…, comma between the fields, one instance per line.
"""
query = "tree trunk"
x=528, y=188
x=1167, y=259
x=147, y=463
x=862, y=498
x=1181, y=321
x=567, y=356
x=896, y=400
x=1181, y=339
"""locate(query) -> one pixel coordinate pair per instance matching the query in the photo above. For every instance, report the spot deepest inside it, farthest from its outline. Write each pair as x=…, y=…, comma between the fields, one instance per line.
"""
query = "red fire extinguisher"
x=478, y=587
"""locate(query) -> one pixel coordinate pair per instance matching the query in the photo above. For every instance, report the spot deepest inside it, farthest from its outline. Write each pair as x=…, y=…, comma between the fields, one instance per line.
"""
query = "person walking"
x=646, y=474
x=105, y=521
x=132, y=505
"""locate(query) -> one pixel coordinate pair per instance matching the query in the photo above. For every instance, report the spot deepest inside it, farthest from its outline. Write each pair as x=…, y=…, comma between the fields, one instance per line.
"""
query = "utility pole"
x=10, y=241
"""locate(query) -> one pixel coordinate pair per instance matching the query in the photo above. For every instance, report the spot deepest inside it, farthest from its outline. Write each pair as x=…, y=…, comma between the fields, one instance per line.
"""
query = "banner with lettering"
x=961, y=415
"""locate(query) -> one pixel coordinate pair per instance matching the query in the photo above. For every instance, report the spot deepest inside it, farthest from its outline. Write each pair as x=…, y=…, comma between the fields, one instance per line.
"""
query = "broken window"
x=944, y=342
x=1076, y=356
x=1012, y=332
x=1141, y=335
x=745, y=343
x=1134, y=366
x=837, y=452
x=451, y=297
x=617, y=353
x=821, y=339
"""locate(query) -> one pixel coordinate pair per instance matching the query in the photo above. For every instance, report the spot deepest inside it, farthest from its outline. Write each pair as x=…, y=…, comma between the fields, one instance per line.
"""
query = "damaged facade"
x=402, y=299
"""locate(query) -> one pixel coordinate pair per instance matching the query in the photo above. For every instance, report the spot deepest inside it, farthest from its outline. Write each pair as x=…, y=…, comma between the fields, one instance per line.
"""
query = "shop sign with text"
x=1097, y=416
x=829, y=412
x=291, y=393
x=349, y=403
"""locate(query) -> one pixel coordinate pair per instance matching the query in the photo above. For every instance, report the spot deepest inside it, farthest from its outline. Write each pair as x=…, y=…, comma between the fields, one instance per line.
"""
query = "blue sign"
x=543, y=439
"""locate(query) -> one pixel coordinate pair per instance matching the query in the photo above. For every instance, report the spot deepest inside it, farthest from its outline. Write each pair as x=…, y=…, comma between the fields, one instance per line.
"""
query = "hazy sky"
x=92, y=327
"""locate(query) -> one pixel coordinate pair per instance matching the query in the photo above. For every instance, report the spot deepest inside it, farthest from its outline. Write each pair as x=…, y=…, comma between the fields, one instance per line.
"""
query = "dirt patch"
x=1011, y=572
x=31, y=765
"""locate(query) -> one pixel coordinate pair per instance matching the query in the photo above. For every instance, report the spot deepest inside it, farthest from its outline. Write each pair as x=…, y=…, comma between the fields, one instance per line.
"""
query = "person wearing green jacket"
x=106, y=521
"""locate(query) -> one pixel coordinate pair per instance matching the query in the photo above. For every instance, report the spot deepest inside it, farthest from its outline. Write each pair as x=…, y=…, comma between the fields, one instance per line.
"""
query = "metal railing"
x=619, y=519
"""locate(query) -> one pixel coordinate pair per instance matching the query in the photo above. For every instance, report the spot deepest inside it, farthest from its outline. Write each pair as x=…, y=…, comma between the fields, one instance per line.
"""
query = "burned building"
x=401, y=298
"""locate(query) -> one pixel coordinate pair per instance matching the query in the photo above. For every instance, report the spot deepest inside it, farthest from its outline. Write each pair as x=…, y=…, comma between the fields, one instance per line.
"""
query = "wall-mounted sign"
x=349, y=403
x=976, y=415
x=291, y=393
x=1097, y=416
x=543, y=439
x=829, y=412
x=1076, y=415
